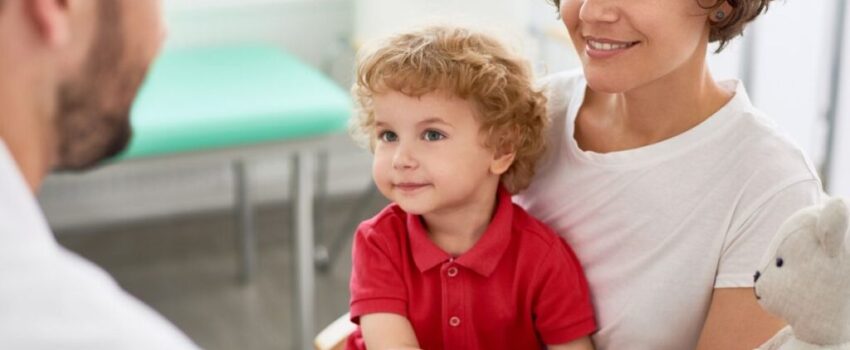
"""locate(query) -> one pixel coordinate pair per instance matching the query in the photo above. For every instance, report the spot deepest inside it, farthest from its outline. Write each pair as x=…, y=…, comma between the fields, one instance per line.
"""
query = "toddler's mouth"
x=409, y=186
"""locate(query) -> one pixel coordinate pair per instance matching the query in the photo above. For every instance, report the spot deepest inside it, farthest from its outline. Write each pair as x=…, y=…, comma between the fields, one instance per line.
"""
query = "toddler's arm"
x=388, y=331
x=582, y=343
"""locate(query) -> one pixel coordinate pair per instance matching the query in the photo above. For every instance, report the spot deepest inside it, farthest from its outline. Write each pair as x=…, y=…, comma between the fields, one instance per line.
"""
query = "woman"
x=668, y=184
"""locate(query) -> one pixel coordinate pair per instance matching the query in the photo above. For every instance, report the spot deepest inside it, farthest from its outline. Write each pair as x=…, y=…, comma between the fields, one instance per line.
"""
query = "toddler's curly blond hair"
x=469, y=65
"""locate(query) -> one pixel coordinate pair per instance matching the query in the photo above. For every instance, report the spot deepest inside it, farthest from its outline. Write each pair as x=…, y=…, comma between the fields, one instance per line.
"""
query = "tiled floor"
x=186, y=268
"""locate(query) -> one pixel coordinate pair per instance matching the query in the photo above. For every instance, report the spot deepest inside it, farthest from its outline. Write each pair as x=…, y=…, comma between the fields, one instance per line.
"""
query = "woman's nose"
x=598, y=11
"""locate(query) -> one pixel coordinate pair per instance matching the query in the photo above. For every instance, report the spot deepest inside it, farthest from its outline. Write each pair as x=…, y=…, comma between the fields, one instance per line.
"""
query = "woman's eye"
x=387, y=136
x=779, y=262
x=433, y=135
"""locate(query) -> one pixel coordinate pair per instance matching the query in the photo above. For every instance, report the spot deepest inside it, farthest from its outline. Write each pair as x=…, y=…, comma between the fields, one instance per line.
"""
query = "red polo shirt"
x=519, y=287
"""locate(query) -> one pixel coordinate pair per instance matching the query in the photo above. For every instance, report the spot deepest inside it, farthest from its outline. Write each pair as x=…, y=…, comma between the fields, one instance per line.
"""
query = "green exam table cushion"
x=209, y=98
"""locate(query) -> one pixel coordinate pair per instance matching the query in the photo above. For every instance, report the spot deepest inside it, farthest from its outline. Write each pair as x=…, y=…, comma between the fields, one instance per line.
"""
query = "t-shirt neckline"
x=663, y=149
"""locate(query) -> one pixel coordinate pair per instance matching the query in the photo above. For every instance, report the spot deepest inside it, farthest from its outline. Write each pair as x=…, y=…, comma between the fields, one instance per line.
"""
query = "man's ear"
x=51, y=20
x=502, y=161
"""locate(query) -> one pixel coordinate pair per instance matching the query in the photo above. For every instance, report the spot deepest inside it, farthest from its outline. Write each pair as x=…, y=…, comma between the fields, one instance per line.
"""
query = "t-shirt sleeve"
x=748, y=242
x=377, y=284
x=562, y=307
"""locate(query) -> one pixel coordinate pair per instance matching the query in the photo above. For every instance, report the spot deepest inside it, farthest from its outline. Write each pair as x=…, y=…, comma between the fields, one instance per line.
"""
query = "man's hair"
x=743, y=12
x=466, y=64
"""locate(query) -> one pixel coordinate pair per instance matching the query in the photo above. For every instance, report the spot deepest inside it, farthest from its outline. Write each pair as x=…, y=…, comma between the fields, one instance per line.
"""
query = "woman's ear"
x=50, y=18
x=721, y=13
x=501, y=162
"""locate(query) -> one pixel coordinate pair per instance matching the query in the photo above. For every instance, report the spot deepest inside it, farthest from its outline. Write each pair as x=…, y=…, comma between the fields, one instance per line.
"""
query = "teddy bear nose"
x=756, y=276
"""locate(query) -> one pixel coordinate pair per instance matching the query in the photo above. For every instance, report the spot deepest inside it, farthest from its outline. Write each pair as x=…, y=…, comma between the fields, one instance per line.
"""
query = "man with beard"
x=69, y=70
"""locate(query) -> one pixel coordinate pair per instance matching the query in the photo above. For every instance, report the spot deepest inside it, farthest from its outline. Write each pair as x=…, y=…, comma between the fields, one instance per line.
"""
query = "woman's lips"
x=605, y=48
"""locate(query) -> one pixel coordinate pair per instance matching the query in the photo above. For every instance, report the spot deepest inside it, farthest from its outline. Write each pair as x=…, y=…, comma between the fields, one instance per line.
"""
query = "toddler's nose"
x=403, y=159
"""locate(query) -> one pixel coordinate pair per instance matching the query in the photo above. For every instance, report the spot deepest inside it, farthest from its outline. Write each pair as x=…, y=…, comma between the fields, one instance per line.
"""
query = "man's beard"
x=92, y=115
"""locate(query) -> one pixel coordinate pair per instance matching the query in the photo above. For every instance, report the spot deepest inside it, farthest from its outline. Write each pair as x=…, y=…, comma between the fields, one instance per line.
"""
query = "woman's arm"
x=736, y=321
x=385, y=331
x=582, y=343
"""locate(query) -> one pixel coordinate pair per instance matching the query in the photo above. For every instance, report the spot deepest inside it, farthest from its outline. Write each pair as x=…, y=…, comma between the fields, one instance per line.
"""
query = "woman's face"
x=626, y=44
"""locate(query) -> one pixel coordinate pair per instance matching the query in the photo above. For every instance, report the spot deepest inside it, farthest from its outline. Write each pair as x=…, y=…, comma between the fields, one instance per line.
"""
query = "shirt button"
x=454, y=321
x=452, y=271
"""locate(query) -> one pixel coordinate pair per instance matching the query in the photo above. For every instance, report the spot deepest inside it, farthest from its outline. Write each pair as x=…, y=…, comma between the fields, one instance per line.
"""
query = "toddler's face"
x=429, y=152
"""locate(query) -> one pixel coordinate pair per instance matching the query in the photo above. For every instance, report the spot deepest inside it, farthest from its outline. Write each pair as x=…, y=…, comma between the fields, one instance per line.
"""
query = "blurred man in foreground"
x=69, y=71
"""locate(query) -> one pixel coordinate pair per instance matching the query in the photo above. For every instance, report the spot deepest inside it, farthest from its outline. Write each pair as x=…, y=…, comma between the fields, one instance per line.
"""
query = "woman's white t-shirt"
x=657, y=228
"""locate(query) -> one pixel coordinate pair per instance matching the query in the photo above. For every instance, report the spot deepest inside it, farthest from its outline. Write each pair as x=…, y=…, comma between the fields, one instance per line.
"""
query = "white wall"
x=310, y=29
x=378, y=18
x=791, y=66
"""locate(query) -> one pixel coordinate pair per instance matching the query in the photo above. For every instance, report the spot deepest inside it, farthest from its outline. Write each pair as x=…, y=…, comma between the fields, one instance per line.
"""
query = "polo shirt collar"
x=482, y=257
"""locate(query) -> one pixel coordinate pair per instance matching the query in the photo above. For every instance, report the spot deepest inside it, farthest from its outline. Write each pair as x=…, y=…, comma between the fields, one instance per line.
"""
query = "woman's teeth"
x=607, y=46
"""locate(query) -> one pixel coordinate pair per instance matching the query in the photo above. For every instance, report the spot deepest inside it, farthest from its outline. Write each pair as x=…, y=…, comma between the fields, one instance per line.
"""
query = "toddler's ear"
x=502, y=162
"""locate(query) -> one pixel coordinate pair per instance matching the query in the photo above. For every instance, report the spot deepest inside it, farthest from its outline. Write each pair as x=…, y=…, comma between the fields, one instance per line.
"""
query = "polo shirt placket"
x=453, y=313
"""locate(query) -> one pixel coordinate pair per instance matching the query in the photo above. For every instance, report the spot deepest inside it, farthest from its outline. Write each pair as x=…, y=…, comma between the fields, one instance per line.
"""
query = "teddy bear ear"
x=832, y=226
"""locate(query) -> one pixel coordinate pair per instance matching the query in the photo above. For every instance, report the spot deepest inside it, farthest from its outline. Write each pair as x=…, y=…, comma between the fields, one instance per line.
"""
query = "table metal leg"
x=304, y=166
x=245, y=222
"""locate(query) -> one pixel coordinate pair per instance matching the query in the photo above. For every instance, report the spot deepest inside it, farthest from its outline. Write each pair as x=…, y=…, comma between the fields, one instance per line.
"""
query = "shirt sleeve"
x=377, y=284
x=562, y=308
x=745, y=246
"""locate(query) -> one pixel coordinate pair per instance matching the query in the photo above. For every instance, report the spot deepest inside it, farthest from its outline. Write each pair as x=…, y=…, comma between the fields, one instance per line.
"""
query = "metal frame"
x=303, y=172
x=834, y=86
x=243, y=210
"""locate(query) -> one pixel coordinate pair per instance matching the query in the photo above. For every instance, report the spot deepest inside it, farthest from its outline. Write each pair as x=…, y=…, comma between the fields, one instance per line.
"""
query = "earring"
x=719, y=15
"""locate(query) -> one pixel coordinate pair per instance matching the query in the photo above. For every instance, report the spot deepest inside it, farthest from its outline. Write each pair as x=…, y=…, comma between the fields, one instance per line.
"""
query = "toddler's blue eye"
x=388, y=136
x=433, y=135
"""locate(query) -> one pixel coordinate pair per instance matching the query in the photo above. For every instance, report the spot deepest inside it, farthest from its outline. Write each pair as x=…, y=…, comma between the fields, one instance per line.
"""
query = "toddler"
x=452, y=263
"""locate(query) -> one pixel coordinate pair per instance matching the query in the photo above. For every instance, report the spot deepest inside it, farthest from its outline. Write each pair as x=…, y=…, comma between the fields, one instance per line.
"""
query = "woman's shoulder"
x=767, y=162
x=769, y=147
x=760, y=145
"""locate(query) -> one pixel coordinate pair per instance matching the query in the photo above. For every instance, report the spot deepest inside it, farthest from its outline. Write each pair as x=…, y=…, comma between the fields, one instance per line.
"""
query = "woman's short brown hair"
x=466, y=64
x=732, y=25
x=743, y=12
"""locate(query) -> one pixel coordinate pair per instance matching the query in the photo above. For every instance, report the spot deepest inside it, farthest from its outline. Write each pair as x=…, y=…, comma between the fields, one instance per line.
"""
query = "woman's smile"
x=599, y=48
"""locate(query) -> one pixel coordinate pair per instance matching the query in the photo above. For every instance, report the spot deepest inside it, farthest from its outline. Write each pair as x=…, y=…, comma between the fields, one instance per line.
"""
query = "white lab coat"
x=51, y=298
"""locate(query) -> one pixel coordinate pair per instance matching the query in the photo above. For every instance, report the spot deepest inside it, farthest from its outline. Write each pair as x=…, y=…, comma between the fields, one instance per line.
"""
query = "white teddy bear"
x=805, y=279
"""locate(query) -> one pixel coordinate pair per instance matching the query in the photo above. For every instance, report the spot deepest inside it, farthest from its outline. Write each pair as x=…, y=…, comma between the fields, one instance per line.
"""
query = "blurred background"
x=215, y=237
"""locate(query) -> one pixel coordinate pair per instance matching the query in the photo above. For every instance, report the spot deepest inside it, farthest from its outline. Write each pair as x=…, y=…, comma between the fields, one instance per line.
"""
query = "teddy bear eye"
x=779, y=262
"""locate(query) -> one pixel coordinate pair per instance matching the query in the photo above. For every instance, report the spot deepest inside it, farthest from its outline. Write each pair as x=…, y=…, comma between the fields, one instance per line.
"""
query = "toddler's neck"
x=456, y=230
